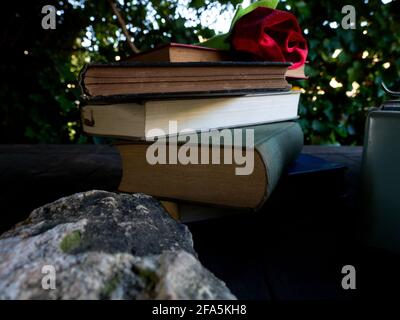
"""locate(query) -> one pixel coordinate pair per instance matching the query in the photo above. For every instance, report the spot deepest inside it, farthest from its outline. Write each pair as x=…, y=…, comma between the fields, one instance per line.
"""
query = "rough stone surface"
x=104, y=245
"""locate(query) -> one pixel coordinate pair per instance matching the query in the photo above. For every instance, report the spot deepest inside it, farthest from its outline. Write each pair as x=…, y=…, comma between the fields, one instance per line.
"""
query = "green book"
x=239, y=170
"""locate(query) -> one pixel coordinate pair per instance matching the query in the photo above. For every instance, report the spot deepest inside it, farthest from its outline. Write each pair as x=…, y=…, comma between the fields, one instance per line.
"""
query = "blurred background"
x=39, y=69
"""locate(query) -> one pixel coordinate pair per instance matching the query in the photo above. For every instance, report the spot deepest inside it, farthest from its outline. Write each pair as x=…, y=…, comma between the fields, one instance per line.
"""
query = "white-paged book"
x=146, y=120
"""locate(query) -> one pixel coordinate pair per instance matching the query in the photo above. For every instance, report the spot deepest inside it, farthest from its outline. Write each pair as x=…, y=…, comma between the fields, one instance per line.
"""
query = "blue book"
x=307, y=164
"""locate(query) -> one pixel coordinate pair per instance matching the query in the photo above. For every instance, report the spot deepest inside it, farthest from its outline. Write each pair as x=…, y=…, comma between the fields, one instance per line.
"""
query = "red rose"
x=272, y=35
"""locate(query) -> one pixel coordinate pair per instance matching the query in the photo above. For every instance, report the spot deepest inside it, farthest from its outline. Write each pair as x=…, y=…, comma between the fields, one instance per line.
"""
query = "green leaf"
x=221, y=41
x=240, y=11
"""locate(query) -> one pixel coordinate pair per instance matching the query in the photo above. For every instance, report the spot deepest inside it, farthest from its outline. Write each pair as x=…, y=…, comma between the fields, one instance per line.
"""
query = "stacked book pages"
x=195, y=129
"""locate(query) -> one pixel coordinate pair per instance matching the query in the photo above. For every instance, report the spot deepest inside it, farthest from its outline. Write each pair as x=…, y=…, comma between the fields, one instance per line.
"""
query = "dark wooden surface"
x=293, y=248
x=32, y=175
x=43, y=173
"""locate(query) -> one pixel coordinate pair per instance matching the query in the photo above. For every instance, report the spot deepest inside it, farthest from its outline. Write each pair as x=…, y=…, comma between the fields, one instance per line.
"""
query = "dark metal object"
x=381, y=175
x=391, y=105
x=390, y=92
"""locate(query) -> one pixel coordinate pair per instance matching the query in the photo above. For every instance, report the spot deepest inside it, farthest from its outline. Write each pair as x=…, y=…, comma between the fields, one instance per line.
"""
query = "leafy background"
x=40, y=96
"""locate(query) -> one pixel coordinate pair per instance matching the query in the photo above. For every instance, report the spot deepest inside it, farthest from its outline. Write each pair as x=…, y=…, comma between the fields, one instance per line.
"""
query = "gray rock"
x=104, y=245
x=129, y=223
x=179, y=275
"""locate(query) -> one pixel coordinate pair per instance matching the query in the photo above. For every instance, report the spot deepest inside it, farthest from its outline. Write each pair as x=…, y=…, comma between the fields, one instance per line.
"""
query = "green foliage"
x=39, y=89
x=40, y=94
x=337, y=115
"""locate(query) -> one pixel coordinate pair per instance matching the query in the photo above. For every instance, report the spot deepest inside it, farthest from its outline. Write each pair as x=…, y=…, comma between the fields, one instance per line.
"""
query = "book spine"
x=277, y=153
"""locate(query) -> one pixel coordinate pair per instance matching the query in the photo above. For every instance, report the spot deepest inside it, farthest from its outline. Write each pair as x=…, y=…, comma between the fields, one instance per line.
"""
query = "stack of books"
x=194, y=128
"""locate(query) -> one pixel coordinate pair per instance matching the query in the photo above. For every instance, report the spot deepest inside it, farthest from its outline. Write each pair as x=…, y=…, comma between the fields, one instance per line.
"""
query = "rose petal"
x=273, y=35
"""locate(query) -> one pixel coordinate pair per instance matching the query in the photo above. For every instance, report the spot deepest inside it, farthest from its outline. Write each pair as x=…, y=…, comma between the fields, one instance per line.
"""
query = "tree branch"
x=123, y=26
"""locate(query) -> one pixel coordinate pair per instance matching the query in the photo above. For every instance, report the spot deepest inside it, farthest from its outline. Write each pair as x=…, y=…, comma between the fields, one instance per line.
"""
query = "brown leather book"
x=178, y=52
x=298, y=73
x=150, y=79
